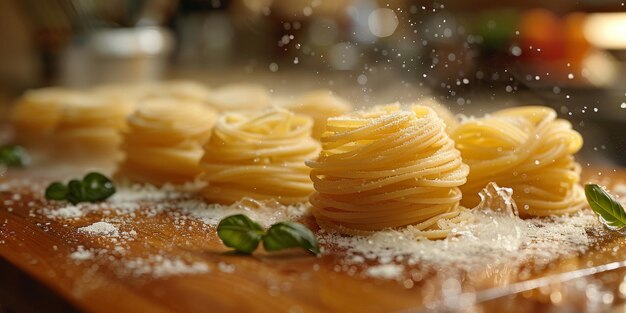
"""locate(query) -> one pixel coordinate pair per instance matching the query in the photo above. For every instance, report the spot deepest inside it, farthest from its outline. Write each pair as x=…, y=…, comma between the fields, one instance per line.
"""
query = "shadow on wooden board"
x=20, y=293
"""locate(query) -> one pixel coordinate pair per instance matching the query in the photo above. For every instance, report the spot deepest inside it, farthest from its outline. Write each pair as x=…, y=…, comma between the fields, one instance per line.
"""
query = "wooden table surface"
x=37, y=274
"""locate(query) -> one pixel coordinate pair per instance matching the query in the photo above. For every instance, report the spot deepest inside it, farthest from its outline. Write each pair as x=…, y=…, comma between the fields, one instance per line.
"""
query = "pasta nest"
x=319, y=105
x=385, y=168
x=164, y=141
x=75, y=121
x=260, y=156
x=527, y=149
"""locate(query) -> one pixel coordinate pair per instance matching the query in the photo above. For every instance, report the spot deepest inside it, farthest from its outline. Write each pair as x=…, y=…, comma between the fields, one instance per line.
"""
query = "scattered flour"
x=81, y=254
x=385, y=271
x=145, y=192
x=492, y=231
x=181, y=203
x=225, y=267
x=159, y=266
x=494, y=237
x=511, y=239
x=67, y=212
x=264, y=212
x=101, y=229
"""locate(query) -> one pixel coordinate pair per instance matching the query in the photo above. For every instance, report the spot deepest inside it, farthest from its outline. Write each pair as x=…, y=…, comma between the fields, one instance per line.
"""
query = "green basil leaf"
x=14, y=156
x=240, y=233
x=611, y=212
x=56, y=191
x=286, y=235
x=97, y=187
x=76, y=192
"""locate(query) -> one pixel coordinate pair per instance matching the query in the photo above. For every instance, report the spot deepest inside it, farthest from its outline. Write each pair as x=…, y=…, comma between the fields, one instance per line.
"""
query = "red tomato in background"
x=541, y=36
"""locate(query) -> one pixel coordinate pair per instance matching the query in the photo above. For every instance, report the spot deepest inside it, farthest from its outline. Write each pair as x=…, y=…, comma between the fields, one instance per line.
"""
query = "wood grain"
x=37, y=273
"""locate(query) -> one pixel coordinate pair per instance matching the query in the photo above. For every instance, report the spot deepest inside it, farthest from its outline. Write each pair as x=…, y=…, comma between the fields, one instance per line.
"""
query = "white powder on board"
x=226, y=268
x=101, y=229
x=494, y=237
x=491, y=240
x=177, y=267
x=474, y=245
x=179, y=202
x=265, y=213
x=81, y=254
x=385, y=271
x=66, y=212
x=159, y=266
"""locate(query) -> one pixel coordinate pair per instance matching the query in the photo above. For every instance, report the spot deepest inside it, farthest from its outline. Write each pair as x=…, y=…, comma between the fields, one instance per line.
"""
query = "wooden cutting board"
x=37, y=273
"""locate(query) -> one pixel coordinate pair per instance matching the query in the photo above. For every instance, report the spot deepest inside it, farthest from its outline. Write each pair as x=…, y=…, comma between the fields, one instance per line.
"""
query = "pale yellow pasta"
x=72, y=123
x=443, y=112
x=164, y=141
x=239, y=97
x=175, y=89
x=320, y=105
x=259, y=155
x=527, y=149
x=37, y=113
x=91, y=125
x=387, y=168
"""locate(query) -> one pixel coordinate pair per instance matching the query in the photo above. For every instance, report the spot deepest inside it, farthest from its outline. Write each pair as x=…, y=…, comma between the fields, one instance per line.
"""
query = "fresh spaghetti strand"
x=527, y=149
x=164, y=141
x=386, y=168
x=259, y=156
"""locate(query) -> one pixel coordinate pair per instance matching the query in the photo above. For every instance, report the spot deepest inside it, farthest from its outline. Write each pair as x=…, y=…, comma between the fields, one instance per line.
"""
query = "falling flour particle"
x=81, y=254
x=101, y=229
x=385, y=271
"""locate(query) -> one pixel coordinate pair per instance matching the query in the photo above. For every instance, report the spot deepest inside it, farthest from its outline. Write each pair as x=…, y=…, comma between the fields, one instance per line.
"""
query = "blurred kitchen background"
x=474, y=56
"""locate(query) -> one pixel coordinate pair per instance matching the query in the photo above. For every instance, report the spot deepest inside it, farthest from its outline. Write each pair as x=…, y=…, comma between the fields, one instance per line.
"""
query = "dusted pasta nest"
x=527, y=149
x=320, y=105
x=164, y=141
x=442, y=111
x=386, y=168
x=259, y=156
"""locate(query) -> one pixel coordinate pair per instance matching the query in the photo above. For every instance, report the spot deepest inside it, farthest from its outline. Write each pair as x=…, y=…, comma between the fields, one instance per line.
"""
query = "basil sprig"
x=244, y=235
x=240, y=232
x=285, y=235
x=611, y=212
x=93, y=187
x=14, y=155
